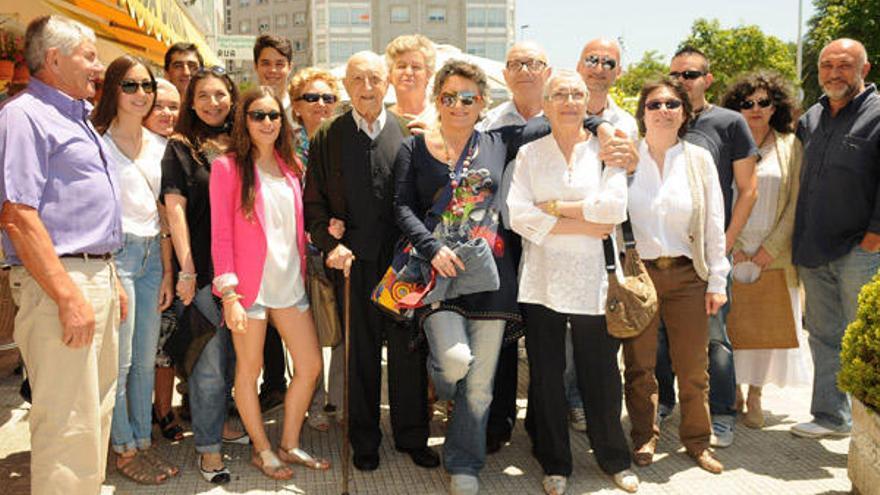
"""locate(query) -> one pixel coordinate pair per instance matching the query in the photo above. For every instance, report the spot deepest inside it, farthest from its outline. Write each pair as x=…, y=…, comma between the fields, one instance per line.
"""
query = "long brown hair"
x=243, y=148
x=108, y=106
x=190, y=128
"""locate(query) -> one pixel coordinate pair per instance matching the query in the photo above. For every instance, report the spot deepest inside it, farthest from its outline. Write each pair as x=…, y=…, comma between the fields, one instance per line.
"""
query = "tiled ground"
x=766, y=462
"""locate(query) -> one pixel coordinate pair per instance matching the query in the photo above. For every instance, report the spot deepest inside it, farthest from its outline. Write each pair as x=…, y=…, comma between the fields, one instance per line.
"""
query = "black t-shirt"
x=188, y=173
x=726, y=135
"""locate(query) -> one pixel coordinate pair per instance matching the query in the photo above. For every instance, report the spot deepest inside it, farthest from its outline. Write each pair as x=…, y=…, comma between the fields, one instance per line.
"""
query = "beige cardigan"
x=778, y=242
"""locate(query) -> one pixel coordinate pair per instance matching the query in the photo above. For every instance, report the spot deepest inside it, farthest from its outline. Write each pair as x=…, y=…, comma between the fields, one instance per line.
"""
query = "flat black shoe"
x=271, y=400
x=424, y=457
x=366, y=462
x=493, y=444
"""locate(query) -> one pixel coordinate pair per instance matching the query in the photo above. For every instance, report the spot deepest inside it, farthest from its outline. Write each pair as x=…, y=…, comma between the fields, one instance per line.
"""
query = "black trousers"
x=502, y=412
x=273, y=362
x=598, y=376
x=407, y=371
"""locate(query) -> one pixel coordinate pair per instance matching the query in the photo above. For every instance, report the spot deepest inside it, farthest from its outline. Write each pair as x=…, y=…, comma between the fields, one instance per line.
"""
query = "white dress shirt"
x=565, y=273
x=371, y=130
x=660, y=209
x=620, y=118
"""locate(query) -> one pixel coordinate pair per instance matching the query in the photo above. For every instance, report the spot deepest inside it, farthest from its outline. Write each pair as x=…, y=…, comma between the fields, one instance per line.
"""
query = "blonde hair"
x=304, y=77
x=410, y=43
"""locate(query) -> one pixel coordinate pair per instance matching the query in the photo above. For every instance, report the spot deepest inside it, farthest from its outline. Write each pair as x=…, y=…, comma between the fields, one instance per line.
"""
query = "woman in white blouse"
x=678, y=220
x=563, y=204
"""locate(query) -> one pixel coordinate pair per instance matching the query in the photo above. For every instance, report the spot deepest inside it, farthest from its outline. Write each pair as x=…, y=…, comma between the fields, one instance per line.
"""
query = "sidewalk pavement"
x=766, y=462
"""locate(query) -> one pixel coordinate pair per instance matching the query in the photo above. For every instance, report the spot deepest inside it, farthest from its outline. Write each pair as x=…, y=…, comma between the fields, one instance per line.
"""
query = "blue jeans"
x=722, y=375
x=832, y=292
x=139, y=265
x=569, y=376
x=464, y=355
x=208, y=387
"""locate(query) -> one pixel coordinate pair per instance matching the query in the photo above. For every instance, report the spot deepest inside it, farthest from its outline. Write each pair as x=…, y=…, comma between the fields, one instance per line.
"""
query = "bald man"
x=837, y=221
x=599, y=67
x=350, y=177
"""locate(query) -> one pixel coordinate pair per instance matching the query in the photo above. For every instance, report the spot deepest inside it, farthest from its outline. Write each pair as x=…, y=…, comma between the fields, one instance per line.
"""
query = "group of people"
x=179, y=205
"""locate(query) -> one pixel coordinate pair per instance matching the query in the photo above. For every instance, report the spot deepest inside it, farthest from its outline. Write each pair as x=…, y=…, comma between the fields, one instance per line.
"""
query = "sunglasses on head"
x=130, y=87
x=261, y=115
x=314, y=97
x=467, y=98
x=657, y=104
x=214, y=69
x=688, y=74
x=749, y=104
x=607, y=63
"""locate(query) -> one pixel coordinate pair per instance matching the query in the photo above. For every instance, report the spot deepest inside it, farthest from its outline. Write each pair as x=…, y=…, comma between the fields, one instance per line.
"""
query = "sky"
x=562, y=27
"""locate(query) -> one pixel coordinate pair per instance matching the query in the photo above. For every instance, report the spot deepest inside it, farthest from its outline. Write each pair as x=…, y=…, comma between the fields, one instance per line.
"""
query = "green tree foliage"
x=860, y=357
x=634, y=77
x=857, y=19
x=733, y=51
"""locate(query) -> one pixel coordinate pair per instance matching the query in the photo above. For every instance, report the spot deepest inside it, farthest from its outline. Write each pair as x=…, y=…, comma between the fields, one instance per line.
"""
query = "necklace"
x=453, y=178
x=761, y=152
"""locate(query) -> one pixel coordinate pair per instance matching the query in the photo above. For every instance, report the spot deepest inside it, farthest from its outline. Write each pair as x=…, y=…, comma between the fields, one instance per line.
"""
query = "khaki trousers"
x=73, y=389
x=681, y=296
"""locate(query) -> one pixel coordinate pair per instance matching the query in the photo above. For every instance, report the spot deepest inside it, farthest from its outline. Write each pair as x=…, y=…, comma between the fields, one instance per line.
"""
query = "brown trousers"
x=681, y=296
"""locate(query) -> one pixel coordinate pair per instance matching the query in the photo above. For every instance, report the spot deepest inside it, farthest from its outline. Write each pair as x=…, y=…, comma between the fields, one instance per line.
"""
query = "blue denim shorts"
x=260, y=312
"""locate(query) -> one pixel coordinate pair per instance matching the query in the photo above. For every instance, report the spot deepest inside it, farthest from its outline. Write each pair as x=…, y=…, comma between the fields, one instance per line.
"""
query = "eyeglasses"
x=688, y=74
x=564, y=96
x=180, y=65
x=467, y=98
x=657, y=104
x=328, y=98
x=214, y=69
x=533, y=65
x=608, y=63
x=130, y=87
x=260, y=115
x=749, y=104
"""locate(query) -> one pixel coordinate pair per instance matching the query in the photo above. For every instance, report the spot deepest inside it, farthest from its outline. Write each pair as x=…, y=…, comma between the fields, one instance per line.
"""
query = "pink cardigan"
x=238, y=243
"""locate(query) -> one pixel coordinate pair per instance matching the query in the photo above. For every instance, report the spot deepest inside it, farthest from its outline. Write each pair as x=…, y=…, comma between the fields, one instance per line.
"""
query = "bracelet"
x=553, y=208
x=186, y=276
x=230, y=297
x=164, y=236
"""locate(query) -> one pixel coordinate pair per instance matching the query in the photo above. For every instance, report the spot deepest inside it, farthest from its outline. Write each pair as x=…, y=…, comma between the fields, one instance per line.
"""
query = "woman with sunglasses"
x=202, y=134
x=143, y=262
x=765, y=100
x=562, y=203
x=676, y=209
x=259, y=249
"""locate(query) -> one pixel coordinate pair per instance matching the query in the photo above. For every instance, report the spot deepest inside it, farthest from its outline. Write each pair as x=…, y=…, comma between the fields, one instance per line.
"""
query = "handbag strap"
x=446, y=193
x=629, y=242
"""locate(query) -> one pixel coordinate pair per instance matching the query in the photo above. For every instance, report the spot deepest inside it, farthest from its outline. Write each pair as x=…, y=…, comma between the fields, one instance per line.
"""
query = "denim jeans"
x=464, y=355
x=832, y=292
x=208, y=387
x=139, y=265
x=569, y=376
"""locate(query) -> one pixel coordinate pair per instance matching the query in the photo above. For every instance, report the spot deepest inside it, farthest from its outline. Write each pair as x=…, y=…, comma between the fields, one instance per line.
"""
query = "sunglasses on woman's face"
x=654, y=105
x=467, y=98
x=130, y=87
x=750, y=104
x=328, y=98
x=261, y=115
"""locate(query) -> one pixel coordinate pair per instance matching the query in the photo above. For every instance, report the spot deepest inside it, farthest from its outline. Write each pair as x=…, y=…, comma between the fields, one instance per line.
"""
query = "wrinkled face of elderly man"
x=366, y=81
x=526, y=71
x=843, y=67
x=75, y=73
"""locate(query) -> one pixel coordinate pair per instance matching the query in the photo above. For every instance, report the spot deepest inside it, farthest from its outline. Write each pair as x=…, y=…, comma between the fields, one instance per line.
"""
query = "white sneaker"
x=626, y=480
x=464, y=484
x=554, y=484
x=813, y=430
x=577, y=418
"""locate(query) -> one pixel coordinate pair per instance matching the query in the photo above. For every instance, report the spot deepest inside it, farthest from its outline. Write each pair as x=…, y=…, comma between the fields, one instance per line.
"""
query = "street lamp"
x=522, y=31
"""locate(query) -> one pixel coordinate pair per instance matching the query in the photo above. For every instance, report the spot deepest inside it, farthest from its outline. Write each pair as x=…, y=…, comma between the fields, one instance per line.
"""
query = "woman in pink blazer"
x=259, y=247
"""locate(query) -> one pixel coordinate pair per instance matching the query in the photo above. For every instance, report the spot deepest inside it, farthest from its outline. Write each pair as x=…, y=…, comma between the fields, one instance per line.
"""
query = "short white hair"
x=52, y=31
x=564, y=75
x=162, y=83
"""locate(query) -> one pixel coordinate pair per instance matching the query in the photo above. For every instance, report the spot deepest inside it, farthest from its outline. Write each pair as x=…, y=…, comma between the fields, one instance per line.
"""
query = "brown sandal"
x=161, y=464
x=299, y=456
x=140, y=470
x=269, y=464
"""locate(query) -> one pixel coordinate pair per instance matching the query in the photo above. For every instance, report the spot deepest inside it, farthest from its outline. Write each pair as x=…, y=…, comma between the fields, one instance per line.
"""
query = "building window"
x=496, y=17
x=243, y=3
x=340, y=51
x=321, y=55
x=299, y=18
x=262, y=2
x=476, y=17
x=244, y=26
x=298, y=45
x=339, y=16
x=360, y=16
x=400, y=13
x=496, y=50
x=264, y=25
x=281, y=21
x=437, y=14
x=320, y=16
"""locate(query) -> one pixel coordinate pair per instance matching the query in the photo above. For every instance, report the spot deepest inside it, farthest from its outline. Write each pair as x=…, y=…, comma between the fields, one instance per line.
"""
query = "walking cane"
x=346, y=458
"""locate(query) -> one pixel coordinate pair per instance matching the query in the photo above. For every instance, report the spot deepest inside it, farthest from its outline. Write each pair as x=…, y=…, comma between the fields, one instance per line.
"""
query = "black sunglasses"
x=749, y=104
x=657, y=104
x=688, y=74
x=214, y=69
x=260, y=115
x=130, y=87
x=328, y=98
x=608, y=63
x=467, y=98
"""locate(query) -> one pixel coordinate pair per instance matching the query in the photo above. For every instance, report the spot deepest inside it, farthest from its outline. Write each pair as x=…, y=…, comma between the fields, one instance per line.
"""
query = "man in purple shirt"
x=61, y=216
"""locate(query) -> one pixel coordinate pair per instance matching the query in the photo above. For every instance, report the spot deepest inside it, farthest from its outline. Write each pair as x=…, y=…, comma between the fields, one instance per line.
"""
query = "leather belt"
x=667, y=262
x=89, y=256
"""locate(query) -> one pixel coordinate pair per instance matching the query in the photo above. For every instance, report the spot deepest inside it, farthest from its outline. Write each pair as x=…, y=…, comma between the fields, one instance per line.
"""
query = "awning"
x=142, y=28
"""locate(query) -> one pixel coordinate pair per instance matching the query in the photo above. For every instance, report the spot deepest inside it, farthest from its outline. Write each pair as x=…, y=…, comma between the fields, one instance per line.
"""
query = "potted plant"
x=860, y=376
x=11, y=47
